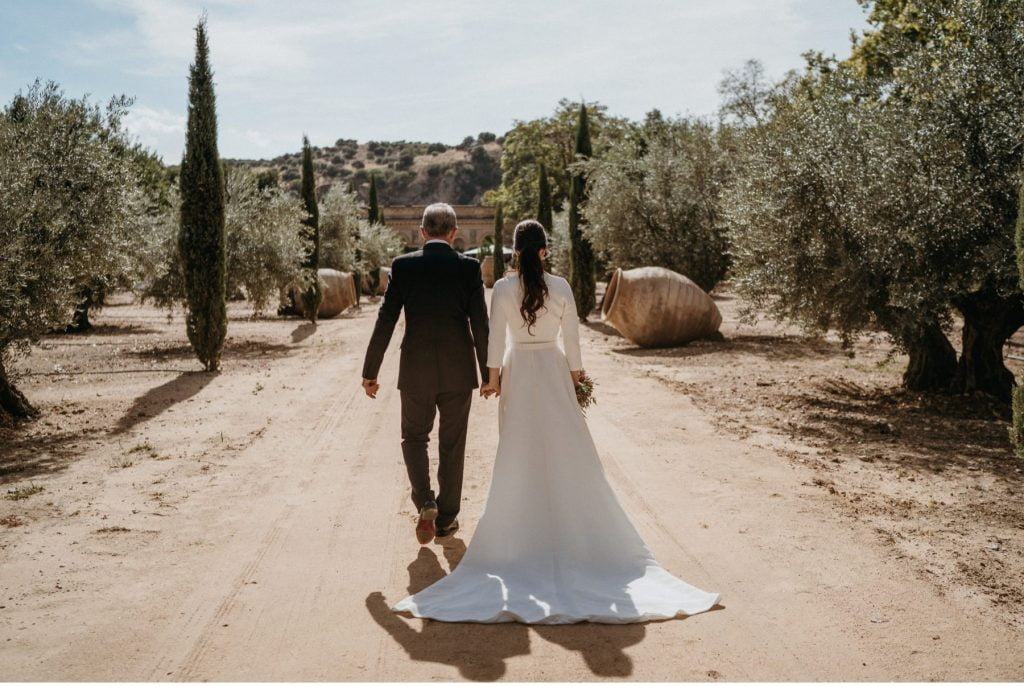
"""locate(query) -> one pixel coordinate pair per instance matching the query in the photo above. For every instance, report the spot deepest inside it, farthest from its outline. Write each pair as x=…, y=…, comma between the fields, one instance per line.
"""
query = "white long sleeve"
x=498, y=327
x=571, y=332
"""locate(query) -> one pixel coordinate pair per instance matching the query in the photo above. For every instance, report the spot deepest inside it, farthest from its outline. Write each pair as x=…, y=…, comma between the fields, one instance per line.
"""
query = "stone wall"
x=475, y=222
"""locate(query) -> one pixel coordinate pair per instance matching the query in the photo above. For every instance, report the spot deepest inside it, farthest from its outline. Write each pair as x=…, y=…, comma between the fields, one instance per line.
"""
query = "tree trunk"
x=989, y=320
x=12, y=401
x=932, y=363
x=80, y=320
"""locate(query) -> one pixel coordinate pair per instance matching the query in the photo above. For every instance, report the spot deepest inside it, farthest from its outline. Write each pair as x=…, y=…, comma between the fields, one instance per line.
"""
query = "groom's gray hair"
x=439, y=219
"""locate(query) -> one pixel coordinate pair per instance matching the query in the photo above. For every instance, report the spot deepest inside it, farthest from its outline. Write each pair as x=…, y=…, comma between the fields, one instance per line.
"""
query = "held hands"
x=371, y=387
x=493, y=385
x=490, y=389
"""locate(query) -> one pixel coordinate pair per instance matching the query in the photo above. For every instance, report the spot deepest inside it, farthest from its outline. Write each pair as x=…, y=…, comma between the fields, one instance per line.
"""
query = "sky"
x=415, y=70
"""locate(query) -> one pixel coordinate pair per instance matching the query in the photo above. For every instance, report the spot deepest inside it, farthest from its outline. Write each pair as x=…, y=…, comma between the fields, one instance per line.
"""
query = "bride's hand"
x=493, y=384
x=577, y=375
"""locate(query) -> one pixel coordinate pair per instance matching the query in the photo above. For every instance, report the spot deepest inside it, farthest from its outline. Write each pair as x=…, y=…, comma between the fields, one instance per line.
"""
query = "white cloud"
x=160, y=130
x=440, y=70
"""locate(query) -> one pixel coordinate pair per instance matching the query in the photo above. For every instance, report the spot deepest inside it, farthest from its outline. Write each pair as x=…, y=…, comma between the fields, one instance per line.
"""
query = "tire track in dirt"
x=201, y=623
x=344, y=489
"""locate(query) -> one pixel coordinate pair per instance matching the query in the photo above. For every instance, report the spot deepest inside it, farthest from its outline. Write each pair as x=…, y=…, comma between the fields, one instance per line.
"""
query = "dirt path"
x=262, y=528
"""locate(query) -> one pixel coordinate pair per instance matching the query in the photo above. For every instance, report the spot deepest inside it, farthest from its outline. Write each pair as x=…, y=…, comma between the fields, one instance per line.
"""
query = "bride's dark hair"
x=529, y=238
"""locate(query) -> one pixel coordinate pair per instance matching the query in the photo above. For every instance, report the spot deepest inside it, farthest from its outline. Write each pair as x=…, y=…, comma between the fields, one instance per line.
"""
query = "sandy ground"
x=255, y=525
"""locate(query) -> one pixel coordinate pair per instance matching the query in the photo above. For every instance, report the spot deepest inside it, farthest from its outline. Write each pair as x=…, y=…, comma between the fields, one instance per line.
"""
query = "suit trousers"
x=418, y=412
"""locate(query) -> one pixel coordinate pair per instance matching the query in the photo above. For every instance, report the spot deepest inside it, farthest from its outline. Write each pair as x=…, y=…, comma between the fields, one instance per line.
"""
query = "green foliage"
x=267, y=178
x=900, y=28
x=201, y=240
x=340, y=217
x=558, y=244
x=544, y=214
x=582, y=271
x=373, y=213
x=486, y=246
x=265, y=250
x=66, y=188
x=499, y=243
x=313, y=294
x=654, y=200
x=549, y=141
x=888, y=196
x=160, y=276
x=377, y=245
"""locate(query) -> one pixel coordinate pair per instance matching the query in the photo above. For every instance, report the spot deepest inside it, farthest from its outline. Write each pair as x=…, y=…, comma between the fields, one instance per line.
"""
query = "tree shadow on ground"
x=25, y=454
x=303, y=332
x=160, y=398
x=769, y=347
x=233, y=350
x=912, y=430
x=602, y=328
x=105, y=330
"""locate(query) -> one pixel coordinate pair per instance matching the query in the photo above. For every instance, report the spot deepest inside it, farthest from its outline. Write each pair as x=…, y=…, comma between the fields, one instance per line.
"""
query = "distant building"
x=475, y=222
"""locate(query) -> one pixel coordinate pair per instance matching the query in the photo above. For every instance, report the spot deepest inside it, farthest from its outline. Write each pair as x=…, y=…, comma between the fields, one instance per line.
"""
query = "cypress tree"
x=1017, y=428
x=376, y=217
x=313, y=295
x=582, y=274
x=544, y=199
x=201, y=234
x=374, y=214
x=499, y=243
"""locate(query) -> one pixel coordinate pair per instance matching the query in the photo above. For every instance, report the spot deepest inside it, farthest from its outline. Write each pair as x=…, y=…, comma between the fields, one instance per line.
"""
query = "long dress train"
x=553, y=544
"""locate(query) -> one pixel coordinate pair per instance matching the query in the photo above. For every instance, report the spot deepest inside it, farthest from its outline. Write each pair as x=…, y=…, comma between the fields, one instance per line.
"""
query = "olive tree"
x=340, y=221
x=264, y=247
x=377, y=245
x=64, y=215
x=889, y=198
x=655, y=198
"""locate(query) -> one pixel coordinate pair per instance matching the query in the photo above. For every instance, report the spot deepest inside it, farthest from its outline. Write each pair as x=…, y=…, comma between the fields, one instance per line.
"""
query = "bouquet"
x=585, y=392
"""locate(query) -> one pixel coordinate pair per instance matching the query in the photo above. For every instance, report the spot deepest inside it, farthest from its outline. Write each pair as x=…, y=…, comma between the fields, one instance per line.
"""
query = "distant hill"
x=407, y=173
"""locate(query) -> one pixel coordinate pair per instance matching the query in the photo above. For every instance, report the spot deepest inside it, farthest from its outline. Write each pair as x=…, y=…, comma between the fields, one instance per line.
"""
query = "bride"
x=553, y=544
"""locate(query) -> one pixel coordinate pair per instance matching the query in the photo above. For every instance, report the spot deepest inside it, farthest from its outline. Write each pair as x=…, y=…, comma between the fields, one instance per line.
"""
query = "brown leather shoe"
x=425, y=529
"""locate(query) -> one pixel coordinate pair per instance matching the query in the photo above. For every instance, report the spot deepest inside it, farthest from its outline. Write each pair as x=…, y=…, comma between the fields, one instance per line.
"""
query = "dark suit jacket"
x=445, y=339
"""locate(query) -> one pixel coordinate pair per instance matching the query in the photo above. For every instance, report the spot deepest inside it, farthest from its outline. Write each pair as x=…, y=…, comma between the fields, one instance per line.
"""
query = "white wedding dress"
x=553, y=544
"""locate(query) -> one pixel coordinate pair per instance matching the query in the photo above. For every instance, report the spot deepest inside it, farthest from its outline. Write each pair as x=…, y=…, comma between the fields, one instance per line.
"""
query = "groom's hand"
x=371, y=387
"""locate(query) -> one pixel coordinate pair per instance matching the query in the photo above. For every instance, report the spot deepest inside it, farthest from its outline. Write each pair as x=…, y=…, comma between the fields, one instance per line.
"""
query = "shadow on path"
x=25, y=454
x=479, y=650
x=303, y=332
x=160, y=398
x=603, y=647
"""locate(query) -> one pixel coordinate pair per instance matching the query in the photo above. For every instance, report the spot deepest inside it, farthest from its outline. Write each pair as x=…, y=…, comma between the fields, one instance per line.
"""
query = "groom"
x=445, y=328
